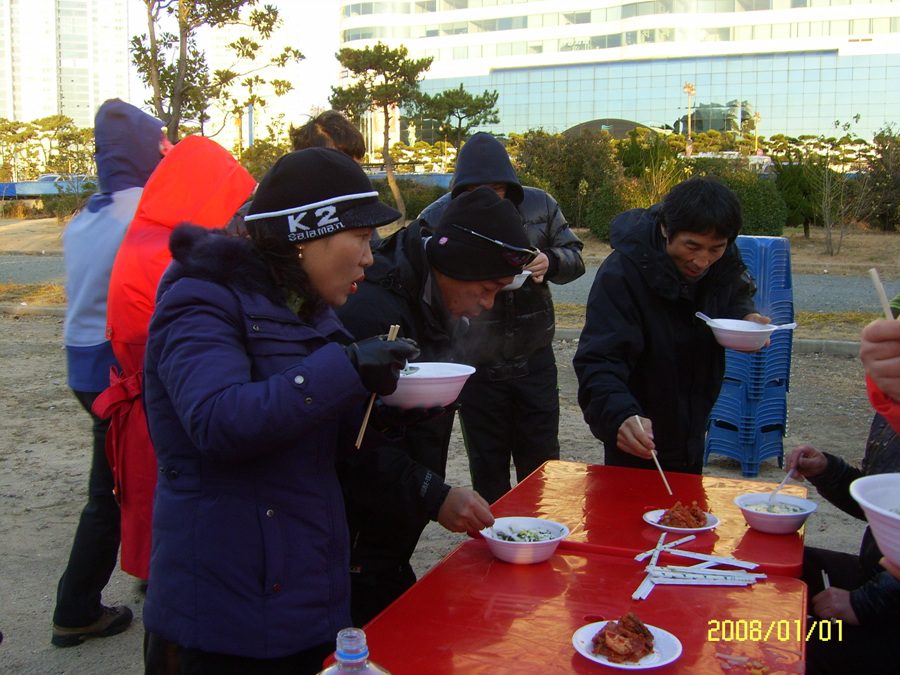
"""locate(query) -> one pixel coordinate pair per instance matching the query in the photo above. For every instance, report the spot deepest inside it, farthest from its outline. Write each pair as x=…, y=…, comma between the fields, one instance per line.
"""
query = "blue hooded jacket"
x=127, y=141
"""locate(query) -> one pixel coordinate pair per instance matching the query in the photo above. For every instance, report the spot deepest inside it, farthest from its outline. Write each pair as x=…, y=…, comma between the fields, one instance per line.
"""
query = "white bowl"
x=741, y=335
x=517, y=282
x=524, y=552
x=430, y=385
x=775, y=523
x=879, y=497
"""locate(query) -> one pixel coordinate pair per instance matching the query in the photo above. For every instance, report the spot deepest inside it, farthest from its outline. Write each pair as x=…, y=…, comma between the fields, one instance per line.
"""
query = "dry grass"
x=39, y=295
x=860, y=250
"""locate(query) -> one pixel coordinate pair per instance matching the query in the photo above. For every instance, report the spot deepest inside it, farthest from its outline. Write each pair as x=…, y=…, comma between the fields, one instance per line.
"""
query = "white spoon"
x=708, y=320
x=784, y=480
x=785, y=326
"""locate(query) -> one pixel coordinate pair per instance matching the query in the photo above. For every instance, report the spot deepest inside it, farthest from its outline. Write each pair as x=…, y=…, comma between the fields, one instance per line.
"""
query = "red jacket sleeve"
x=884, y=405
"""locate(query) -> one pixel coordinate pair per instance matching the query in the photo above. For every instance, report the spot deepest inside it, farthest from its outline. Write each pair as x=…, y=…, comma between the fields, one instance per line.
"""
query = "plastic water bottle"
x=352, y=655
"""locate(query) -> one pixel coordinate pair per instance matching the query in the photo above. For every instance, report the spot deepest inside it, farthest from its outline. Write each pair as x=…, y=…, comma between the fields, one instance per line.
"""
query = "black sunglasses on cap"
x=515, y=256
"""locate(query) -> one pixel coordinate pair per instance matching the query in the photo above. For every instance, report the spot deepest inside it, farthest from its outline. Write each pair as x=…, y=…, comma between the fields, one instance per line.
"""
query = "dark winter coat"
x=877, y=602
x=643, y=352
x=392, y=494
x=500, y=340
x=247, y=406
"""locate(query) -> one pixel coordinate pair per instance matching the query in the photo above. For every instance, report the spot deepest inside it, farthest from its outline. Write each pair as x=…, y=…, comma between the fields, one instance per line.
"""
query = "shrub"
x=416, y=195
x=764, y=210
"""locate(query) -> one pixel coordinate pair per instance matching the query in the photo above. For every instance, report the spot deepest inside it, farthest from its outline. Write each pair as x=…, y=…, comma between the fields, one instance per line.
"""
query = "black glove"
x=379, y=361
x=386, y=416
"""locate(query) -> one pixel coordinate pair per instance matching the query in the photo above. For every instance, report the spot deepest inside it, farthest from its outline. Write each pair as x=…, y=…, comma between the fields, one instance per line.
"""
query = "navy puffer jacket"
x=245, y=403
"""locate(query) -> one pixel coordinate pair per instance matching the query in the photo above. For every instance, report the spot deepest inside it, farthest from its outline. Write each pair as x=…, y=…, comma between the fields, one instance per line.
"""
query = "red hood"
x=197, y=182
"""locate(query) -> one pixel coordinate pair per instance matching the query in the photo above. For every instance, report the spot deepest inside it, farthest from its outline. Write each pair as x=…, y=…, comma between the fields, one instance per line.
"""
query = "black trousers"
x=372, y=591
x=96, y=544
x=513, y=419
x=307, y=662
x=856, y=649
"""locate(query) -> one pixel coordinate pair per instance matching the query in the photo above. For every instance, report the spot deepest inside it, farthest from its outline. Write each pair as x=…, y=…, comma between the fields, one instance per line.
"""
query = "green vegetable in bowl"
x=529, y=535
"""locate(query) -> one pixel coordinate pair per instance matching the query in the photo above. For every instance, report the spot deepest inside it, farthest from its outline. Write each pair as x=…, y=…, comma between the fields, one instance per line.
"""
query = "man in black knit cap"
x=430, y=286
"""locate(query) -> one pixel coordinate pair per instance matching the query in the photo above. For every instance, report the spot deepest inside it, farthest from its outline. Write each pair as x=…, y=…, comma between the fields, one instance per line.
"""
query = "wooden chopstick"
x=879, y=288
x=392, y=335
x=655, y=459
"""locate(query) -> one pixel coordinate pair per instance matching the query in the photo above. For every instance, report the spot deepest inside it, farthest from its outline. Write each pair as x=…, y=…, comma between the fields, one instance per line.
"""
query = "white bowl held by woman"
x=429, y=385
x=524, y=552
x=879, y=497
x=791, y=512
x=741, y=335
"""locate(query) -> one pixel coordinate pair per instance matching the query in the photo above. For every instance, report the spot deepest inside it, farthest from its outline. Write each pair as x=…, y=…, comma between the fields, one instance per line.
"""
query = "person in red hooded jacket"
x=200, y=182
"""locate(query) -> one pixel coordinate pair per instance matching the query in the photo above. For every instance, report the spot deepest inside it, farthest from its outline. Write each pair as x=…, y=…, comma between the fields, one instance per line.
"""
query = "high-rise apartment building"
x=62, y=57
x=800, y=65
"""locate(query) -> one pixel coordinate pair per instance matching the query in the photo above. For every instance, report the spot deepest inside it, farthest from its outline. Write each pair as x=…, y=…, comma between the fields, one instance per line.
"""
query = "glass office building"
x=801, y=65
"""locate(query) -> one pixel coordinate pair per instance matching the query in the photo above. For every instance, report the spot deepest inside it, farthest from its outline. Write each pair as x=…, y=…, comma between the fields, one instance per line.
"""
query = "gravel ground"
x=43, y=467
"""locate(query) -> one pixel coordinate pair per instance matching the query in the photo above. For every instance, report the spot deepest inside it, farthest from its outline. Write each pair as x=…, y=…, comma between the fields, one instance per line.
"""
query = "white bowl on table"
x=879, y=497
x=429, y=384
x=524, y=552
x=741, y=335
x=775, y=523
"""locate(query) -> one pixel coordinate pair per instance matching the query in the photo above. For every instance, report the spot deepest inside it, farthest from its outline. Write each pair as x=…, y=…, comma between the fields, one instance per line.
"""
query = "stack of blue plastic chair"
x=749, y=419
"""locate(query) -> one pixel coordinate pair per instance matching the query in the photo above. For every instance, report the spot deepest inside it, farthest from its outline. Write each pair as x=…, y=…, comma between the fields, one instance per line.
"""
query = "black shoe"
x=112, y=621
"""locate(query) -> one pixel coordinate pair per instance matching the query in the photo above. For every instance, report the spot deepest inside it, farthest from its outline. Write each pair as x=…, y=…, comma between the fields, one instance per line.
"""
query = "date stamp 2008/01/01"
x=784, y=631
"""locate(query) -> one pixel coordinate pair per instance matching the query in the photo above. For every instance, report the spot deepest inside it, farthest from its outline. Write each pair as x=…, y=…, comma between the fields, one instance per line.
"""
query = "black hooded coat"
x=643, y=351
x=500, y=340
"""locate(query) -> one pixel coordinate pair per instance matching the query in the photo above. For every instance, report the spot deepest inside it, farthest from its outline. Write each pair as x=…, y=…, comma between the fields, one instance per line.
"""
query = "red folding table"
x=474, y=614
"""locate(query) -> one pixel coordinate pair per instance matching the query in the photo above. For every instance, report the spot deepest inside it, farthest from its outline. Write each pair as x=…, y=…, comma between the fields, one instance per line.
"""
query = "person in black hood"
x=649, y=371
x=429, y=286
x=510, y=406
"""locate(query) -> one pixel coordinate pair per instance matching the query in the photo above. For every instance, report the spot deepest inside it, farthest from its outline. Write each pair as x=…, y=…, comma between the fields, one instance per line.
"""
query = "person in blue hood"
x=129, y=145
x=510, y=406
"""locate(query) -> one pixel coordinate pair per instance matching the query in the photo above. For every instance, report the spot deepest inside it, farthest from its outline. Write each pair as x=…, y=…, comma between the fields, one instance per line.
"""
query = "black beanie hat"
x=501, y=250
x=314, y=193
x=483, y=160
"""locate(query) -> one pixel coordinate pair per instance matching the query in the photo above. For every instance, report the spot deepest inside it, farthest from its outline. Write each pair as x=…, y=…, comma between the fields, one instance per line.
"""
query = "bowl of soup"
x=429, y=385
x=788, y=514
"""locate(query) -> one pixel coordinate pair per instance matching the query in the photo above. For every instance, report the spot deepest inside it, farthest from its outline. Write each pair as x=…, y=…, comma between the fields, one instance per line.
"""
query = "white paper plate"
x=652, y=517
x=666, y=648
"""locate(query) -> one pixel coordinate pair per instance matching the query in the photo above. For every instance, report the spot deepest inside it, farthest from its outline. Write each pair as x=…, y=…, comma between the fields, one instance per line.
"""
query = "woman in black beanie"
x=247, y=396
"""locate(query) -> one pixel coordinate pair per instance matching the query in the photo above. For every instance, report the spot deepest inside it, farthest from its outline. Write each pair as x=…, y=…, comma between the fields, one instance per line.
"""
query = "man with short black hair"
x=649, y=371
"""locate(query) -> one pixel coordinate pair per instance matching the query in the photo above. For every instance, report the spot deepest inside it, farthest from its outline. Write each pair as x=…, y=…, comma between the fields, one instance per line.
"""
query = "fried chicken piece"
x=687, y=517
x=624, y=640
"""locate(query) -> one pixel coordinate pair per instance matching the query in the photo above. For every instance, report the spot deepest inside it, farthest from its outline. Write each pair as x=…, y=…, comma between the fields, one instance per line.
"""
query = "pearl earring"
x=300, y=252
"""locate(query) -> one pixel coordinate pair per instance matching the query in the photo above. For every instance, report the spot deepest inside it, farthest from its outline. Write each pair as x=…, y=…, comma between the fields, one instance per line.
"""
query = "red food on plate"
x=687, y=517
x=624, y=640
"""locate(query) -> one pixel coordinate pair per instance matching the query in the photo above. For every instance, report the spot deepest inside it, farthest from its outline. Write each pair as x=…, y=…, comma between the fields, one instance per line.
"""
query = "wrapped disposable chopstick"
x=713, y=575
x=673, y=569
x=664, y=581
x=664, y=547
x=734, y=562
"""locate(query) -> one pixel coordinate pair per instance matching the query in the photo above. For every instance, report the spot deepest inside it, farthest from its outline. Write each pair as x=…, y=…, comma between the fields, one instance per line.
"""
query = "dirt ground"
x=45, y=449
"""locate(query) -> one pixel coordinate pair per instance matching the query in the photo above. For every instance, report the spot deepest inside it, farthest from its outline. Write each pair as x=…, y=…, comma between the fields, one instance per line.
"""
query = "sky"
x=315, y=24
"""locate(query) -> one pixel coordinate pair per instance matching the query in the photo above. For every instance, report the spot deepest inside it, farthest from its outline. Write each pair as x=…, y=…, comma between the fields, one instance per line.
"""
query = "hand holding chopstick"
x=392, y=335
x=655, y=459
